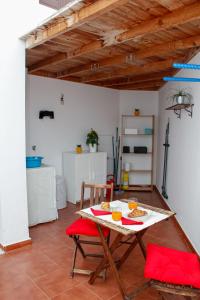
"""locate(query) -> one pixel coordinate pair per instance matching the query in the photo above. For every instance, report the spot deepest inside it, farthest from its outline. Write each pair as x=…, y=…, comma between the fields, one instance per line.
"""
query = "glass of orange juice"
x=132, y=205
x=116, y=213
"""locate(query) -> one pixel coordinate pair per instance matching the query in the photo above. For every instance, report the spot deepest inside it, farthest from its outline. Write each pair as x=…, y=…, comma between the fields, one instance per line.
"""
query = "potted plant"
x=92, y=140
x=181, y=97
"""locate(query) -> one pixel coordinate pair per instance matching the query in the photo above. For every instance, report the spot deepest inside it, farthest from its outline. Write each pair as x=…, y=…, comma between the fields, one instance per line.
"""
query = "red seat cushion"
x=85, y=227
x=172, y=266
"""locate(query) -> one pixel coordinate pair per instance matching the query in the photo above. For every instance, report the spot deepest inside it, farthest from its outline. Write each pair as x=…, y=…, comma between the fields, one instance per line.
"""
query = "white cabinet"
x=87, y=167
x=41, y=195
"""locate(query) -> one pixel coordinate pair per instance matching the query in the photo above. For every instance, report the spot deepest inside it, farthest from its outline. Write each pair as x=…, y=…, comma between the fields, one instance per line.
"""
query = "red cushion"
x=172, y=266
x=85, y=227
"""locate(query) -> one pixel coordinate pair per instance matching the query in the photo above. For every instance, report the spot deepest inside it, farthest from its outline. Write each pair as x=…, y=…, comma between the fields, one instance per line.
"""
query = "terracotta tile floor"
x=41, y=271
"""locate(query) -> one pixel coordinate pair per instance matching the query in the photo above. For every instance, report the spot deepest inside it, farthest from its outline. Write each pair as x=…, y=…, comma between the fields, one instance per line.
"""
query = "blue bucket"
x=33, y=161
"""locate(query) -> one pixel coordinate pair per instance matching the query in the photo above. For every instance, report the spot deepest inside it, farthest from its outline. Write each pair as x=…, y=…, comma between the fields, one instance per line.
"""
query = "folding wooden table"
x=126, y=234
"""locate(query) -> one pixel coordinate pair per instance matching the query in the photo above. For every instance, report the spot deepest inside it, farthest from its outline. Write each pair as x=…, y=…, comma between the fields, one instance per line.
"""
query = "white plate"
x=140, y=219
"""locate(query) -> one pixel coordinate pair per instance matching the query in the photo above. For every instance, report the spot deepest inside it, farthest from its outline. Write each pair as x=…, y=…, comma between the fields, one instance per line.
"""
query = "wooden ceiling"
x=120, y=44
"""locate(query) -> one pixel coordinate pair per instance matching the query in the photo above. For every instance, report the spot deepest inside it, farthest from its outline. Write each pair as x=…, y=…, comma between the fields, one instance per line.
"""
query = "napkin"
x=97, y=212
x=126, y=221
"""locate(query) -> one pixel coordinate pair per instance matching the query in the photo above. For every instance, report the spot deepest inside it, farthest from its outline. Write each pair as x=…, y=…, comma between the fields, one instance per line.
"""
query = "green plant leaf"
x=92, y=137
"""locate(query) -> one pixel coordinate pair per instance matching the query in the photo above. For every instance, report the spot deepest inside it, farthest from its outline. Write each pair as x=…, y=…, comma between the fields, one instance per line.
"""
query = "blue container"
x=148, y=131
x=33, y=161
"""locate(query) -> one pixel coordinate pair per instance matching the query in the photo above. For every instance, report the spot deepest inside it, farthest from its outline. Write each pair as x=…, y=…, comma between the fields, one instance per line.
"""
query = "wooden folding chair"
x=85, y=227
x=174, y=289
x=173, y=272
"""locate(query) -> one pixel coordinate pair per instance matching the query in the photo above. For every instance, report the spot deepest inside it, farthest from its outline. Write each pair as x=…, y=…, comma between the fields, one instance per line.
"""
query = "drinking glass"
x=133, y=203
x=116, y=213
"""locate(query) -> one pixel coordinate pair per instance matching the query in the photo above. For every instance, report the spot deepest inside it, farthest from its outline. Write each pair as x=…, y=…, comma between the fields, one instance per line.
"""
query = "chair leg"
x=162, y=297
x=76, y=240
x=105, y=271
x=84, y=255
x=77, y=246
x=74, y=261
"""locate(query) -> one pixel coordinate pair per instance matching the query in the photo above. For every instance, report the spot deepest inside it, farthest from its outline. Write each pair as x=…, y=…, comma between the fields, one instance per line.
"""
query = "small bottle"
x=125, y=180
x=136, y=112
x=79, y=149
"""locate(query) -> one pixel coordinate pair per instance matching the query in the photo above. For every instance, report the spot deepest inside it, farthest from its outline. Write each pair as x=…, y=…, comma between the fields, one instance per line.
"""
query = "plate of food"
x=105, y=206
x=139, y=214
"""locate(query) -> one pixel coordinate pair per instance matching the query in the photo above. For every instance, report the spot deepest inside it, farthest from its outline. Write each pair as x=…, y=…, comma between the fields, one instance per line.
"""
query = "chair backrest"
x=97, y=193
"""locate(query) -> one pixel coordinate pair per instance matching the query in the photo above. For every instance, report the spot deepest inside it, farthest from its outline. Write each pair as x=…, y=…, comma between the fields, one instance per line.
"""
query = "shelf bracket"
x=177, y=108
x=189, y=110
x=178, y=113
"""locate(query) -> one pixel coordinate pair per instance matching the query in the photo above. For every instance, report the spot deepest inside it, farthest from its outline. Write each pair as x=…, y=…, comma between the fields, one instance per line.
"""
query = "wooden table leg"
x=137, y=240
x=104, y=261
x=109, y=257
x=140, y=242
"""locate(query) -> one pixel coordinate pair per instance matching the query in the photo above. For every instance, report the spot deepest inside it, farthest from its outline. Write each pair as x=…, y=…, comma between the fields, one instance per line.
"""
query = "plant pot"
x=93, y=148
x=184, y=99
x=180, y=99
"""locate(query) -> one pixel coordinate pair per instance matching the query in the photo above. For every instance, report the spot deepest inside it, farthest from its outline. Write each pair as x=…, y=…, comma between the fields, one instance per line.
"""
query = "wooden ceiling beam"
x=44, y=73
x=177, y=17
x=136, y=79
x=47, y=62
x=49, y=74
x=140, y=89
x=164, y=48
x=145, y=69
x=58, y=58
x=136, y=56
x=78, y=18
x=153, y=84
x=116, y=60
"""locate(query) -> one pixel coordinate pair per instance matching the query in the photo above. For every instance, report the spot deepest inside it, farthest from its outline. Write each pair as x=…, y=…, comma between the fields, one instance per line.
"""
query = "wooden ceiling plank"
x=137, y=79
x=179, y=16
x=164, y=48
x=44, y=73
x=73, y=21
x=148, y=68
x=182, y=44
x=141, y=89
x=142, y=85
x=118, y=59
x=170, y=4
x=47, y=61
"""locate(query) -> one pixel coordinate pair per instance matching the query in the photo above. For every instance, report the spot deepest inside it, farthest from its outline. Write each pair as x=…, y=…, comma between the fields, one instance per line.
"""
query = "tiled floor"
x=41, y=271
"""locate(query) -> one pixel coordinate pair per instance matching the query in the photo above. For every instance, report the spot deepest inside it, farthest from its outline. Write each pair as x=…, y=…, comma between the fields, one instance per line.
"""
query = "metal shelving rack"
x=138, y=187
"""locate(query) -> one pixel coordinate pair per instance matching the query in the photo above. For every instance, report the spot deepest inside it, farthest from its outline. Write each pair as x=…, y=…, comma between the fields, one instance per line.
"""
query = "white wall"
x=85, y=106
x=13, y=202
x=183, y=178
x=147, y=102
